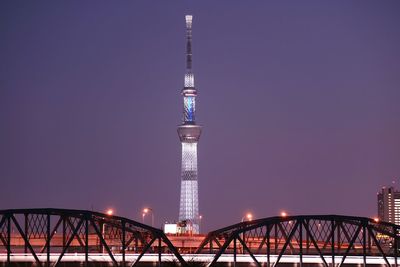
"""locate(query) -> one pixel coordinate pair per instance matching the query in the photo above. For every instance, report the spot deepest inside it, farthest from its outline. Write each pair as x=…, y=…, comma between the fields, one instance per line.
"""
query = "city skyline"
x=300, y=102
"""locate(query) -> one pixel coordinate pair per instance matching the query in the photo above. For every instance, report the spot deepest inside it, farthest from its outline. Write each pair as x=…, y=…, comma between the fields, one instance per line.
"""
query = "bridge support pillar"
x=159, y=252
x=333, y=242
x=87, y=243
x=123, y=243
x=26, y=232
x=8, y=240
x=396, y=245
x=301, y=243
x=268, y=246
x=364, y=229
x=48, y=238
x=234, y=252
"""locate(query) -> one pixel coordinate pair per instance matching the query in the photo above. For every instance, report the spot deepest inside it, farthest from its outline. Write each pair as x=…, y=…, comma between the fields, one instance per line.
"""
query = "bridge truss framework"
x=332, y=238
x=324, y=235
x=79, y=231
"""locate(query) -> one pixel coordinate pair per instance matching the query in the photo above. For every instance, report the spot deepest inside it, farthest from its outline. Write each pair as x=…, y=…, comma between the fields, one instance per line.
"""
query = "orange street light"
x=145, y=212
x=376, y=219
x=110, y=212
x=248, y=217
x=283, y=214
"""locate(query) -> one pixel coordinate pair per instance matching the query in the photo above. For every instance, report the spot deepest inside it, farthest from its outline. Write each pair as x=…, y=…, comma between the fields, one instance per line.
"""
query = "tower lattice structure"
x=189, y=134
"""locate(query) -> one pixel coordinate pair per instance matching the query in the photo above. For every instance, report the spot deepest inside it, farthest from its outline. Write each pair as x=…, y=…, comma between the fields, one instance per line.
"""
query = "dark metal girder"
x=221, y=250
x=72, y=226
x=379, y=246
x=69, y=242
x=21, y=232
x=144, y=251
x=351, y=244
x=100, y=236
x=306, y=227
x=283, y=231
x=52, y=233
x=286, y=243
x=248, y=250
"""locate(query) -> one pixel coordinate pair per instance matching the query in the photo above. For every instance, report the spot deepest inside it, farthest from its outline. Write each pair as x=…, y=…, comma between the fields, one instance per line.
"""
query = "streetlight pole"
x=145, y=212
x=200, y=217
x=109, y=212
x=249, y=217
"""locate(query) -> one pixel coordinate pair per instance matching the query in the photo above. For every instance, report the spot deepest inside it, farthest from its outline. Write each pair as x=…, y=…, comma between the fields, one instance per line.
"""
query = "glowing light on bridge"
x=147, y=211
x=284, y=214
x=249, y=216
x=110, y=212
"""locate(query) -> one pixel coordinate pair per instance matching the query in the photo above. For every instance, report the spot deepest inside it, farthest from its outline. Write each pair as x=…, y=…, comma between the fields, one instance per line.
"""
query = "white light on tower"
x=189, y=135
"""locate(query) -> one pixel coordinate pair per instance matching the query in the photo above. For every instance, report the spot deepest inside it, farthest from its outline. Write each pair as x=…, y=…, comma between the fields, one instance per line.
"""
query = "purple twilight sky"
x=299, y=102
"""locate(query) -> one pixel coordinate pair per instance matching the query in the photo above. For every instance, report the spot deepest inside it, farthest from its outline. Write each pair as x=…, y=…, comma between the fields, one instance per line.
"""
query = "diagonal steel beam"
x=144, y=251
x=127, y=243
x=285, y=234
x=21, y=232
x=173, y=249
x=217, y=242
x=204, y=243
x=351, y=244
x=77, y=236
x=379, y=246
x=306, y=226
x=75, y=231
x=52, y=234
x=103, y=241
x=294, y=229
x=263, y=241
x=3, y=240
x=134, y=235
x=222, y=250
x=344, y=231
x=3, y=219
x=329, y=239
x=248, y=250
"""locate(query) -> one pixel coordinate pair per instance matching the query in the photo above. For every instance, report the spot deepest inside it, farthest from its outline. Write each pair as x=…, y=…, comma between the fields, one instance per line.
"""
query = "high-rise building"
x=189, y=135
x=389, y=205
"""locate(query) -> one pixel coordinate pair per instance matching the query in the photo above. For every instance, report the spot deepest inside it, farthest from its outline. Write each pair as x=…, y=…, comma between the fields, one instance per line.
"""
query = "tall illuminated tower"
x=189, y=134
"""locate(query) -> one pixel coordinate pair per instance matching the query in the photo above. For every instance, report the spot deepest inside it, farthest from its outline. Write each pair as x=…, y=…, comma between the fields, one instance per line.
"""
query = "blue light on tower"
x=190, y=107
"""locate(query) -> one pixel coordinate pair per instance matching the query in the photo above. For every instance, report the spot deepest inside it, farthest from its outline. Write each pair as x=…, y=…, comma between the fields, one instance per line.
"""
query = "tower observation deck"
x=189, y=135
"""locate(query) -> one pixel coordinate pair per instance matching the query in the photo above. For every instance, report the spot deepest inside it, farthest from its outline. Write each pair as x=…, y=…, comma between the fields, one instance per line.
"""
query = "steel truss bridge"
x=60, y=237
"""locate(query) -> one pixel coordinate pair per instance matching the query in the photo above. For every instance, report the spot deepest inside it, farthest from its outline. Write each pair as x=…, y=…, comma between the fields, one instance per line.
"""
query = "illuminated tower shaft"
x=189, y=134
